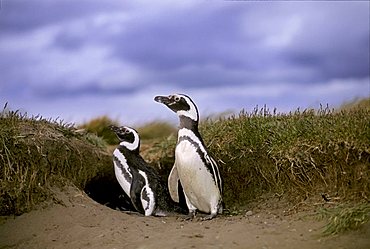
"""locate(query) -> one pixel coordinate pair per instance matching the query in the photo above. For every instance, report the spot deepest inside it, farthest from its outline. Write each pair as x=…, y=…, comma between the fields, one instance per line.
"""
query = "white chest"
x=122, y=171
x=195, y=178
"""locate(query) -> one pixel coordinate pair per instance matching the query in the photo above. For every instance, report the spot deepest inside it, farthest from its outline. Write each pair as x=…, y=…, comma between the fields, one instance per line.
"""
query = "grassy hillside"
x=37, y=154
x=99, y=127
x=355, y=104
x=314, y=156
x=296, y=155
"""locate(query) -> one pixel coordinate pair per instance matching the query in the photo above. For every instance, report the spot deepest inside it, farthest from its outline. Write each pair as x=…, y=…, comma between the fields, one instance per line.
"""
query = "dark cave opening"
x=105, y=190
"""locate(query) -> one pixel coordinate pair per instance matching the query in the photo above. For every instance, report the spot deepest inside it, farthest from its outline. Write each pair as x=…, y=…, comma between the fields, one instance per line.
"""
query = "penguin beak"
x=163, y=100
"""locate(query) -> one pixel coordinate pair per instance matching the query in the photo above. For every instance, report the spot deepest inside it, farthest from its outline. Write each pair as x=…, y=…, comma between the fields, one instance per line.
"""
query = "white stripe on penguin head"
x=135, y=144
x=192, y=112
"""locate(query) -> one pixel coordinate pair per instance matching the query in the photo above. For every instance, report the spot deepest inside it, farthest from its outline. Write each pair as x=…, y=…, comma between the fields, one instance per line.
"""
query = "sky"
x=78, y=60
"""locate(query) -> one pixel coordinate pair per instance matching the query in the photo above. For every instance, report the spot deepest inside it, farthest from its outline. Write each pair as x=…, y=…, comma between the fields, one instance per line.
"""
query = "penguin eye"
x=177, y=98
x=127, y=131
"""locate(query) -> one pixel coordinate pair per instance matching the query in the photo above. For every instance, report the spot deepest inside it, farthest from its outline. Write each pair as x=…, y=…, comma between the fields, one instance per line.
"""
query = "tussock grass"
x=100, y=128
x=156, y=130
x=36, y=154
x=295, y=155
x=357, y=103
x=344, y=218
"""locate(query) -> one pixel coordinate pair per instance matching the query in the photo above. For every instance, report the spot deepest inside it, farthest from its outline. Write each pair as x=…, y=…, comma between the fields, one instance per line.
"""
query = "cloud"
x=301, y=37
x=18, y=16
x=231, y=54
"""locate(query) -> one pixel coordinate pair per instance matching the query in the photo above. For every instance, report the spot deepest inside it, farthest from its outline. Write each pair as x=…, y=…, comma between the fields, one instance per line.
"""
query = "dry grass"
x=36, y=154
x=357, y=103
x=99, y=127
x=344, y=218
x=296, y=155
x=156, y=130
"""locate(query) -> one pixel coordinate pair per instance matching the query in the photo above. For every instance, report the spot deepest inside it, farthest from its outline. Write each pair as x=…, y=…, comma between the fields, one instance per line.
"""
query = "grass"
x=156, y=130
x=36, y=154
x=357, y=103
x=99, y=127
x=345, y=218
x=297, y=156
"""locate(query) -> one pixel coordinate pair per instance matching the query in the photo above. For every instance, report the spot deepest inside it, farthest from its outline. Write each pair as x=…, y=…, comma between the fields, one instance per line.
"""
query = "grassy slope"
x=36, y=154
x=298, y=155
x=295, y=155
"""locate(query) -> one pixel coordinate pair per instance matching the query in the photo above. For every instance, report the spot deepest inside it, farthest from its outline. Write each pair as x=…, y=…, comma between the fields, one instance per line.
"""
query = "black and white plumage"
x=147, y=195
x=129, y=141
x=194, y=168
x=141, y=183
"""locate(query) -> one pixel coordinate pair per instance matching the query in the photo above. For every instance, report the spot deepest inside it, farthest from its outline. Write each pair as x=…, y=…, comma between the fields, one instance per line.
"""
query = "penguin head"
x=182, y=104
x=127, y=136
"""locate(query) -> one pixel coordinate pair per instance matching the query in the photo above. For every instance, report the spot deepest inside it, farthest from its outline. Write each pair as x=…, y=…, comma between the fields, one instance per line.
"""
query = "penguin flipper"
x=147, y=201
x=173, y=184
x=135, y=193
x=122, y=172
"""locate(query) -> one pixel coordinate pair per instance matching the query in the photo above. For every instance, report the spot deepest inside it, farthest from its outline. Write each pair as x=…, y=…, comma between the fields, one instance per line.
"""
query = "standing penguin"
x=197, y=172
x=148, y=194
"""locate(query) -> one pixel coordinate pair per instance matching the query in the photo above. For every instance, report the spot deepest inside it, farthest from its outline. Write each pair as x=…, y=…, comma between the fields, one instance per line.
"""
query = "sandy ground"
x=79, y=222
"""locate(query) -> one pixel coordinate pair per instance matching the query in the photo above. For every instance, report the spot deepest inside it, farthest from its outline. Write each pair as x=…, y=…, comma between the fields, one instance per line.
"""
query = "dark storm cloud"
x=331, y=41
x=335, y=42
x=121, y=52
x=18, y=16
x=209, y=45
x=69, y=41
x=195, y=37
x=92, y=88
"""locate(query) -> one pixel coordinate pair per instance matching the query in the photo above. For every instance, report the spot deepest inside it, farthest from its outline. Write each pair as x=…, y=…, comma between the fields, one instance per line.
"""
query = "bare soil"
x=79, y=222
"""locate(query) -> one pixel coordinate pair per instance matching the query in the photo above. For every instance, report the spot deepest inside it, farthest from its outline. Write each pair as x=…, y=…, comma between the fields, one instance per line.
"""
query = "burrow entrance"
x=105, y=190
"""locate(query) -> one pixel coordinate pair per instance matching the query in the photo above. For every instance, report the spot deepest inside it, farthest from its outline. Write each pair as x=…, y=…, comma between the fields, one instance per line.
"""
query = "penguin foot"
x=191, y=215
x=188, y=218
x=160, y=213
x=208, y=217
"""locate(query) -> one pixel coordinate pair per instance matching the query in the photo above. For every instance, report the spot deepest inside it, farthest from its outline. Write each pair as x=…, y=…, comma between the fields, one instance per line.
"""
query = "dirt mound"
x=79, y=222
